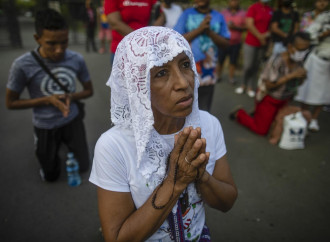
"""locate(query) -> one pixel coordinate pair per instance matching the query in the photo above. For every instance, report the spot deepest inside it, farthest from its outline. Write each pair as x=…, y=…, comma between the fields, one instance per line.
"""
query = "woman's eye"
x=161, y=73
x=186, y=64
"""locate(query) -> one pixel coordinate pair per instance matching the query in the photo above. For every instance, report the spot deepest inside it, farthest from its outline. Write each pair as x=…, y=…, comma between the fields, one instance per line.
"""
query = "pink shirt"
x=238, y=18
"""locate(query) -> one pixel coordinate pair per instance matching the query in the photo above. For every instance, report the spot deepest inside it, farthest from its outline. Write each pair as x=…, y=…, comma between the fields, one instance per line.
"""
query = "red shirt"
x=135, y=13
x=262, y=15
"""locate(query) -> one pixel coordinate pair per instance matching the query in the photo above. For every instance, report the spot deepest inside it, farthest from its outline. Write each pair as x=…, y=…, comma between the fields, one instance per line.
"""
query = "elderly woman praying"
x=163, y=158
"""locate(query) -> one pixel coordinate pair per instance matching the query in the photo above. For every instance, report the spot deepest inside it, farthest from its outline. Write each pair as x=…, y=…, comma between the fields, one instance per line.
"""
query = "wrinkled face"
x=321, y=5
x=53, y=43
x=172, y=88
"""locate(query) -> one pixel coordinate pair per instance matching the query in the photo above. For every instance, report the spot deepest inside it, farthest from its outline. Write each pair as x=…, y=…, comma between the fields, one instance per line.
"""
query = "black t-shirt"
x=285, y=22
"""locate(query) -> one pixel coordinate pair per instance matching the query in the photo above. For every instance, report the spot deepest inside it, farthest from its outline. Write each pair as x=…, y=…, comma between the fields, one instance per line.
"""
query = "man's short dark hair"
x=300, y=34
x=49, y=19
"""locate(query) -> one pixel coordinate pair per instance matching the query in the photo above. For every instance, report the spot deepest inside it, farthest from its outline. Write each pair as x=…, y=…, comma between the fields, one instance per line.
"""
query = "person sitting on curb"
x=282, y=75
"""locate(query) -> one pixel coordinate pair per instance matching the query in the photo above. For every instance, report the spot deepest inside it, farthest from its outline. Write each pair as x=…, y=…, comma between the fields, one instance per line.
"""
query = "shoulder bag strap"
x=46, y=69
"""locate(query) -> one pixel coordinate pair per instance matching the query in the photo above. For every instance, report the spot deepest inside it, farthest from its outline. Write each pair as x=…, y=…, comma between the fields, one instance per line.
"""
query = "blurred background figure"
x=104, y=31
x=285, y=22
x=90, y=22
x=282, y=75
x=206, y=31
x=309, y=17
x=57, y=118
x=169, y=14
x=235, y=19
x=315, y=90
x=124, y=16
x=258, y=19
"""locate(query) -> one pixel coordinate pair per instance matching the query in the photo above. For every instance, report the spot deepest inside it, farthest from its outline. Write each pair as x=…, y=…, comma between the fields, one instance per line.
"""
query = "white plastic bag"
x=294, y=132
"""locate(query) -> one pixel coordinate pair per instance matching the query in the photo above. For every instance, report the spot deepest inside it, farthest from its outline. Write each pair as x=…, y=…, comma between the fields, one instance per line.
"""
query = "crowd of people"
x=310, y=87
x=257, y=34
x=165, y=156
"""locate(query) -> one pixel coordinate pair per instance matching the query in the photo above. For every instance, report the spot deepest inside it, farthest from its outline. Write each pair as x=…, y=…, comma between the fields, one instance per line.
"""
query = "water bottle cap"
x=70, y=155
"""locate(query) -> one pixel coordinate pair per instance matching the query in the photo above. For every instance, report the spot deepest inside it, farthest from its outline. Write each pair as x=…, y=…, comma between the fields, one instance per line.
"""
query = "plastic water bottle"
x=72, y=169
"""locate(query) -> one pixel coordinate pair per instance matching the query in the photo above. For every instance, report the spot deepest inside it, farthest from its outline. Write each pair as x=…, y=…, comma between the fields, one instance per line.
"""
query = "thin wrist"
x=289, y=77
x=47, y=100
x=201, y=31
x=71, y=96
x=259, y=35
x=205, y=177
x=177, y=187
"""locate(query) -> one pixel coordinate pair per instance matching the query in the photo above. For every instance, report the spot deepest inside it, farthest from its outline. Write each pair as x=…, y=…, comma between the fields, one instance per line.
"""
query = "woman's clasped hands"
x=189, y=158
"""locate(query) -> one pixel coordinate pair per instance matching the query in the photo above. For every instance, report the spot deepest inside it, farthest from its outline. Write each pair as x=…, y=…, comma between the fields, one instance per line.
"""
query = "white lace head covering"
x=129, y=81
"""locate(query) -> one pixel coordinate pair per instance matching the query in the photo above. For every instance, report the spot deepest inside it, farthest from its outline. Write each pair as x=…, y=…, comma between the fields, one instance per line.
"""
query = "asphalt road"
x=283, y=195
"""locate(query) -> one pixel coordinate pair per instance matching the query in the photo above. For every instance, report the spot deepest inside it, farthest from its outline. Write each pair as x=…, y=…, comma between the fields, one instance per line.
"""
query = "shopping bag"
x=294, y=132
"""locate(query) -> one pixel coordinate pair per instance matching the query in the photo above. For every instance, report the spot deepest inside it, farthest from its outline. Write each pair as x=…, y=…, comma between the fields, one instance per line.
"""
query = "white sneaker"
x=314, y=126
x=239, y=90
x=251, y=93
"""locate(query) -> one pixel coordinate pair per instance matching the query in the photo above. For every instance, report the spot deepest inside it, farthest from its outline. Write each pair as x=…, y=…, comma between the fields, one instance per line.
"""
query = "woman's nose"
x=180, y=80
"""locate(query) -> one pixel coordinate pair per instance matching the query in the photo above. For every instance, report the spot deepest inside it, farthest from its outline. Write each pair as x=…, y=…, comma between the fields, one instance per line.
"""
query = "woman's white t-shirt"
x=114, y=169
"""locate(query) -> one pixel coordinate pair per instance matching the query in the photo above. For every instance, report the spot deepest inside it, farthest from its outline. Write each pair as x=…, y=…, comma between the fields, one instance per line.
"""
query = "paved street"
x=283, y=195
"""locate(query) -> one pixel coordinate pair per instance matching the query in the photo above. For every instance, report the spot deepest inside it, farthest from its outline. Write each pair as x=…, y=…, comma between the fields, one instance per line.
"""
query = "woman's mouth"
x=185, y=101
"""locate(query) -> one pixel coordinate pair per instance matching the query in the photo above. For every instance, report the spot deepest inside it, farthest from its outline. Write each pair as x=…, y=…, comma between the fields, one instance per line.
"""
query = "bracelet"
x=155, y=196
